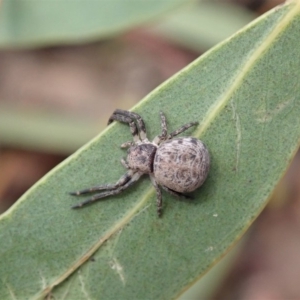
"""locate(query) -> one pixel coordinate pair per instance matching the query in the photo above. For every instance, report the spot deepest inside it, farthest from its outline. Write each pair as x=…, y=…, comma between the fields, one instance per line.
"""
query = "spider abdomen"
x=181, y=164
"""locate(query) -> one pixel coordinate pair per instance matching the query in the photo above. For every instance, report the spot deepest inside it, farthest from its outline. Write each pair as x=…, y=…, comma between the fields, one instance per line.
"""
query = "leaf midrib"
x=129, y=216
x=220, y=104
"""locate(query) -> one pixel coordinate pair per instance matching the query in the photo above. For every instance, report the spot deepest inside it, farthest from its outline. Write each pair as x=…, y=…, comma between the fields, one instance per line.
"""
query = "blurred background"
x=66, y=65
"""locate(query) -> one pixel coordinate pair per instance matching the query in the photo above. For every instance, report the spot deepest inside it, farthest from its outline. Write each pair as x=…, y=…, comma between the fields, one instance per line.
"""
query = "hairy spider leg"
x=158, y=195
x=181, y=129
x=160, y=138
x=132, y=125
x=125, y=178
x=163, y=120
x=127, y=144
x=124, y=163
x=116, y=191
x=134, y=117
x=139, y=120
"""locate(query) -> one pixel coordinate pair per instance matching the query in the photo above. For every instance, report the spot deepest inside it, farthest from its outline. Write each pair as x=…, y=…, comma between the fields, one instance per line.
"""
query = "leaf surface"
x=245, y=93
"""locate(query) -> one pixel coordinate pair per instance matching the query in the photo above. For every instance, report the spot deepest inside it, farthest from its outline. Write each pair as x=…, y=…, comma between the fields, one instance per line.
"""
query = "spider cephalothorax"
x=178, y=165
x=140, y=157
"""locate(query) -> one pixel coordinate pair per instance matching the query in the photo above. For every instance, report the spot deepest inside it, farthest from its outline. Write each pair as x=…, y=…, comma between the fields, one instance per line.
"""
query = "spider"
x=178, y=165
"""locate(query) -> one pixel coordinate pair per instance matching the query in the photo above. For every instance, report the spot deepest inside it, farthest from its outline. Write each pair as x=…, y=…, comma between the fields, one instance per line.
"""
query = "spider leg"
x=127, y=145
x=124, y=119
x=134, y=117
x=181, y=129
x=158, y=139
x=116, y=191
x=176, y=194
x=124, y=163
x=124, y=179
x=158, y=194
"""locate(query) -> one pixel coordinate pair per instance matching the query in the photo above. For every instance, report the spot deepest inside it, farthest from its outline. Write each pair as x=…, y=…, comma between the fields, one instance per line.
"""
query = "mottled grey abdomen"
x=181, y=164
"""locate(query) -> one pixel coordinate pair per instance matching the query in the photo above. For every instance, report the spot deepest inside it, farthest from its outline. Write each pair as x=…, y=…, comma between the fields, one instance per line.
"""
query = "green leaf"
x=32, y=23
x=211, y=282
x=246, y=95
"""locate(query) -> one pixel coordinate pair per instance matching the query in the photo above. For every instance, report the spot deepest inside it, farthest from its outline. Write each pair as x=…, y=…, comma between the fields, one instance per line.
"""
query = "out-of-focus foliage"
x=34, y=23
